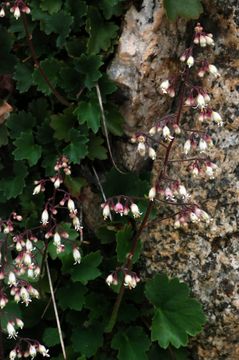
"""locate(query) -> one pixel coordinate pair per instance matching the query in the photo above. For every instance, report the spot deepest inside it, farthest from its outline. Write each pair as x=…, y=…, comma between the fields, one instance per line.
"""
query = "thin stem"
x=105, y=128
x=59, y=97
x=56, y=312
x=128, y=266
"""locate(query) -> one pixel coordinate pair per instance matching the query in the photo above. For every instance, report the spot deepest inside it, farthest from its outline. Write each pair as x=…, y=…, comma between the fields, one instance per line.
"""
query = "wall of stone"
x=206, y=258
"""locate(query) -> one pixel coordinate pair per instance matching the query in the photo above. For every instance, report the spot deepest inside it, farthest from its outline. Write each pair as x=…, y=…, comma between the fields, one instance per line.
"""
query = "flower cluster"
x=171, y=190
x=197, y=142
x=130, y=279
x=12, y=326
x=52, y=207
x=193, y=214
x=33, y=348
x=123, y=205
x=16, y=8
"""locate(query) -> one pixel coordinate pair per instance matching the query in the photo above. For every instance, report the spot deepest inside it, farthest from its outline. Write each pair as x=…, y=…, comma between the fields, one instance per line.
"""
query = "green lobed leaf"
x=160, y=354
x=51, y=6
x=89, y=112
x=26, y=149
x=59, y=23
x=72, y=296
x=79, y=9
x=96, y=149
x=101, y=32
x=20, y=122
x=23, y=77
x=51, y=68
x=131, y=344
x=189, y=9
x=87, y=340
x=124, y=239
x=88, y=66
x=87, y=269
x=62, y=124
x=111, y=7
x=7, y=60
x=50, y=337
x=98, y=306
x=77, y=149
x=177, y=315
x=74, y=185
x=12, y=186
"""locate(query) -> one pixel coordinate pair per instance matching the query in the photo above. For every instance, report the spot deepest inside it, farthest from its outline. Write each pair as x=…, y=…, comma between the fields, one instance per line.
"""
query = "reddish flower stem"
x=58, y=96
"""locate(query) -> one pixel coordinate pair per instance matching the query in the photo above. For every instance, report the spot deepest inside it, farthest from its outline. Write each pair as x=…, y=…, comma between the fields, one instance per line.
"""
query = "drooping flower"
x=76, y=255
x=152, y=193
x=135, y=210
x=44, y=217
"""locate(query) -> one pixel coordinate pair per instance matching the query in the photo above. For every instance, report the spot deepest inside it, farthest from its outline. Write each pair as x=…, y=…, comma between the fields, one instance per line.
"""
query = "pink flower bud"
x=119, y=208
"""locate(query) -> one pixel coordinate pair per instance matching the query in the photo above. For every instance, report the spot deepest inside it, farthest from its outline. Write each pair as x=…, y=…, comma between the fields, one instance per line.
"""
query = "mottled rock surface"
x=206, y=258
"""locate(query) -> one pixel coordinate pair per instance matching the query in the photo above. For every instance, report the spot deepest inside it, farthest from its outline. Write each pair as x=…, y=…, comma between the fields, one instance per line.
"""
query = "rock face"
x=206, y=258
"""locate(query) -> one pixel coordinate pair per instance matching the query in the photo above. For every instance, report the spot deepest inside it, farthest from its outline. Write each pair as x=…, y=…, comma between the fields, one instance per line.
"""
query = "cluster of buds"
x=201, y=38
x=131, y=279
x=171, y=192
x=24, y=261
x=24, y=292
x=210, y=68
x=12, y=326
x=187, y=56
x=210, y=115
x=7, y=226
x=194, y=215
x=33, y=349
x=143, y=147
x=199, y=101
x=123, y=206
x=63, y=164
x=16, y=8
x=199, y=143
x=166, y=127
x=203, y=167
